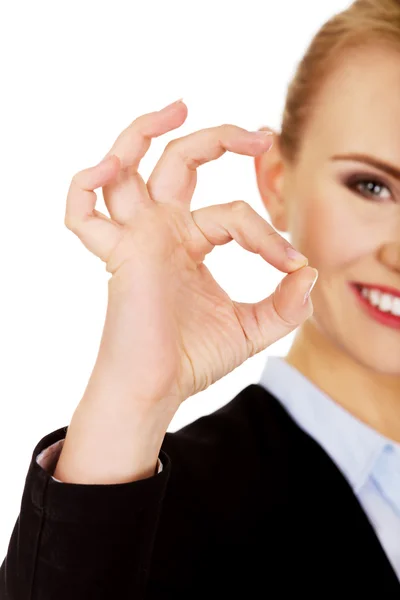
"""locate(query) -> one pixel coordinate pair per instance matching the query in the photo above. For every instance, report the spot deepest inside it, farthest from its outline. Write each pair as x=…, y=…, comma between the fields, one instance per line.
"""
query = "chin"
x=371, y=356
x=384, y=366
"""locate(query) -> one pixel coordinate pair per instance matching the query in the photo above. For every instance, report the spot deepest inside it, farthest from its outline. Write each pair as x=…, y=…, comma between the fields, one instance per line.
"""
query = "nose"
x=390, y=256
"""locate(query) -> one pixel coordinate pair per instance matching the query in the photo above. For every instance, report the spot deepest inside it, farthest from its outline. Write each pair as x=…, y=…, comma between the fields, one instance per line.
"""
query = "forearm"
x=111, y=437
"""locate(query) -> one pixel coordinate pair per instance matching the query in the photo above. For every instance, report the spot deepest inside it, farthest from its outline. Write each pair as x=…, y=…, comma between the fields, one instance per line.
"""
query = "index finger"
x=174, y=177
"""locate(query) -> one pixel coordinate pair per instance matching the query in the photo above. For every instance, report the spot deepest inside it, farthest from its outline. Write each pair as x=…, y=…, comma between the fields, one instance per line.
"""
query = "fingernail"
x=263, y=134
x=173, y=104
x=267, y=138
x=296, y=256
x=307, y=295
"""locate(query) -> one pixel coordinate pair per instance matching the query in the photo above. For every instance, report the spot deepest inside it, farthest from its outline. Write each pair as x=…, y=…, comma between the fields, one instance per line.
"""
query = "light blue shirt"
x=369, y=461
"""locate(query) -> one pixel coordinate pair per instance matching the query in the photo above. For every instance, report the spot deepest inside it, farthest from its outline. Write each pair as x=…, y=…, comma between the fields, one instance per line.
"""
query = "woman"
x=294, y=485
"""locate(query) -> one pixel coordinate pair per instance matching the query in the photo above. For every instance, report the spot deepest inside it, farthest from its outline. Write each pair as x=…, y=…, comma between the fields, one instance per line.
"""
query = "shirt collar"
x=351, y=444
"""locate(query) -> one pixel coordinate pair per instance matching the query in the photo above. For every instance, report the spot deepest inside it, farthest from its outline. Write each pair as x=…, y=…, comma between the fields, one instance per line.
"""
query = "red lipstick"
x=384, y=318
x=385, y=289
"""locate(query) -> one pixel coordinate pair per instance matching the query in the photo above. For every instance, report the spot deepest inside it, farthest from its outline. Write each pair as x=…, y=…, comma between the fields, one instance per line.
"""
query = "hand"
x=170, y=329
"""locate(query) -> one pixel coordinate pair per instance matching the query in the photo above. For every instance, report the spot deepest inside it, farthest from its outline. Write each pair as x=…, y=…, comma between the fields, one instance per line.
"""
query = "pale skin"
x=170, y=329
x=347, y=235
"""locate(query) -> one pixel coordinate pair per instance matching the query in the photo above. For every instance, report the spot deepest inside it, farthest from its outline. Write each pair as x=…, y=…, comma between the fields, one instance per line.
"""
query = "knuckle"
x=240, y=205
x=228, y=132
x=183, y=152
x=171, y=144
x=75, y=181
x=70, y=224
x=175, y=147
x=227, y=127
x=139, y=122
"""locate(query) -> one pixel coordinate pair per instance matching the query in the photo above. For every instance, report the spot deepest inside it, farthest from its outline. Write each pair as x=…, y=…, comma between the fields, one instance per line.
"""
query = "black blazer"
x=247, y=506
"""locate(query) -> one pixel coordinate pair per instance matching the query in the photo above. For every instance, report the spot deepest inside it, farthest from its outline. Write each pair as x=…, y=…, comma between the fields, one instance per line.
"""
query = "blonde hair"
x=364, y=22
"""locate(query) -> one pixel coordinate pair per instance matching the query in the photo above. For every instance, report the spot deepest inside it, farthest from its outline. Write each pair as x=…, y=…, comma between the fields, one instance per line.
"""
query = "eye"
x=369, y=188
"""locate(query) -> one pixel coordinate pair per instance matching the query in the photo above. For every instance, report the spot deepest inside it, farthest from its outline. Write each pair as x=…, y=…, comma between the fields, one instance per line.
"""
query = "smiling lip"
x=384, y=318
x=382, y=288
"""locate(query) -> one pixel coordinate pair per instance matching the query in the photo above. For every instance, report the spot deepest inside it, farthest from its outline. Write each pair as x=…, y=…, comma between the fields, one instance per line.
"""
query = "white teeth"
x=374, y=297
x=385, y=305
x=385, y=302
x=396, y=307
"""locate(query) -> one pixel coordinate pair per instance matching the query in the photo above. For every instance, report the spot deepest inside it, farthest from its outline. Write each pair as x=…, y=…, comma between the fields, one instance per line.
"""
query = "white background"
x=73, y=75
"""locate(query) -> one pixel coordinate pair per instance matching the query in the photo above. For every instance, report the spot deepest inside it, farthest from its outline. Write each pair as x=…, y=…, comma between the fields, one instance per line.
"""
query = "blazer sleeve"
x=48, y=459
x=177, y=535
x=82, y=541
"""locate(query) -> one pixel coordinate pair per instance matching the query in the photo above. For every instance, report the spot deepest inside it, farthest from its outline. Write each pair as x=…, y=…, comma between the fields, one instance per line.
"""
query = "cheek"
x=328, y=234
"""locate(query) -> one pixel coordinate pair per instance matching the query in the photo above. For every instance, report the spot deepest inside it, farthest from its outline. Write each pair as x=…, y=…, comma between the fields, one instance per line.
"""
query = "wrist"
x=104, y=446
x=116, y=396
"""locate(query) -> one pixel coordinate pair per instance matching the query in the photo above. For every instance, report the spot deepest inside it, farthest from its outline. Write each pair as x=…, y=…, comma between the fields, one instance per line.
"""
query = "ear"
x=270, y=178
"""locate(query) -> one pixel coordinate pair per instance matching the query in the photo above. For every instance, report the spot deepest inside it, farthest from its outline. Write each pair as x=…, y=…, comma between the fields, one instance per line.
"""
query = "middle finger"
x=173, y=179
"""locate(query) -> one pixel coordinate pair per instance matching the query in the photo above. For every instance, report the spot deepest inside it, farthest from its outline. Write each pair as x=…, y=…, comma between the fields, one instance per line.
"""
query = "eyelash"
x=356, y=180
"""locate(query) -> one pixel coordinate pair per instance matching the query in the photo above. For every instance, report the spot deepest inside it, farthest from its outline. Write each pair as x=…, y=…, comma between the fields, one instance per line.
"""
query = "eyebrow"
x=371, y=160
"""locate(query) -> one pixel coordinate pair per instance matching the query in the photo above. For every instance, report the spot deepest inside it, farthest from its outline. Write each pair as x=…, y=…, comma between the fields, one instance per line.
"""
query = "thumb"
x=269, y=320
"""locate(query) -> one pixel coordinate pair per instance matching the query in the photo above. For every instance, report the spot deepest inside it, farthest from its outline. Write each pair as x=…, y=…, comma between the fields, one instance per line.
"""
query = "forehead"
x=358, y=107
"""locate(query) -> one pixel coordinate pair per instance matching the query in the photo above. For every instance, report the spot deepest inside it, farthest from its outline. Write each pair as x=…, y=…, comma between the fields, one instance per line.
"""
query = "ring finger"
x=129, y=189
